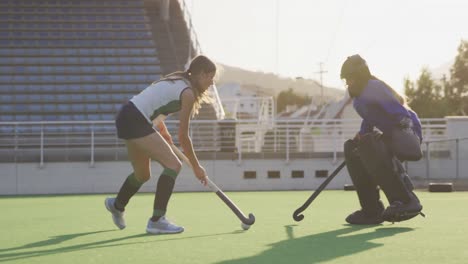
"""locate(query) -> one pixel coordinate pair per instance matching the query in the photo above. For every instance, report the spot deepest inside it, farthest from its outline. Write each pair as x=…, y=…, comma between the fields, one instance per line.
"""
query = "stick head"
x=298, y=217
x=250, y=221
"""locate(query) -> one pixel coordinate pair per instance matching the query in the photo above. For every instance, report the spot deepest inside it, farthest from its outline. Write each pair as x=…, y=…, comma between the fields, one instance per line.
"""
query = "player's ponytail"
x=200, y=64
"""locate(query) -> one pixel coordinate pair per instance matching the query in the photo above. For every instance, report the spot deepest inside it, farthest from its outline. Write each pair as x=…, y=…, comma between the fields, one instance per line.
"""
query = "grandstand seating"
x=73, y=59
x=78, y=60
x=73, y=63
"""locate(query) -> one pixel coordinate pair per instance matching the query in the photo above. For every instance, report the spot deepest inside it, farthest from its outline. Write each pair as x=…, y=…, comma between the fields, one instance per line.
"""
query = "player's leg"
x=397, y=211
x=172, y=165
x=380, y=163
x=366, y=189
x=141, y=173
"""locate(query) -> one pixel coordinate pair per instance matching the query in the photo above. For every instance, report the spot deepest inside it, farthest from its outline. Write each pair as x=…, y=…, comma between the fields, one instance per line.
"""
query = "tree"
x=438, y=98
x=457, y=94
x=425, y=96
x=289, y=97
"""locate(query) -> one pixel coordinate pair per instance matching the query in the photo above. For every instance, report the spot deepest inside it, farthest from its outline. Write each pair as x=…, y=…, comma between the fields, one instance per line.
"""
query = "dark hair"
x=355, y=68
x=199, y=64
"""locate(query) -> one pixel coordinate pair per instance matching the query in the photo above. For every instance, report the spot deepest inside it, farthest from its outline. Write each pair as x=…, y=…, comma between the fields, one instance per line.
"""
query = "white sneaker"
x=163, y=226
x=117, y=216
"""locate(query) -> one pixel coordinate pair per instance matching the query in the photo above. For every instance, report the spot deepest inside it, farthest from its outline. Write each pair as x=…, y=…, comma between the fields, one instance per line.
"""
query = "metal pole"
x=334, y=143
x=92, y=146
x=41, y=164
x=239, y=154
x=239, y=145
x=321, y=72
x=287, y=143
x=16, y=159
x=116, y=147
x=427, y=160
x=457, y=160
x=16, y=141
x=275, y=142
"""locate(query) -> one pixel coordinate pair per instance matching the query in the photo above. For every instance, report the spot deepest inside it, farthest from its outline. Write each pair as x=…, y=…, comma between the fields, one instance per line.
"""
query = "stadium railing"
x=44, y=141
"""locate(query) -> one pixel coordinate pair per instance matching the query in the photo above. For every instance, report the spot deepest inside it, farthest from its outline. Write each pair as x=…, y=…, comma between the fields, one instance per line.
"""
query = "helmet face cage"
x=353, y=66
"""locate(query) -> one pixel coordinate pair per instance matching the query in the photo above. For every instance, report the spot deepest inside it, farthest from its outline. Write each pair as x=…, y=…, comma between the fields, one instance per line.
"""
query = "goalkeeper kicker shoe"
x=366, y=217
x=398, y=211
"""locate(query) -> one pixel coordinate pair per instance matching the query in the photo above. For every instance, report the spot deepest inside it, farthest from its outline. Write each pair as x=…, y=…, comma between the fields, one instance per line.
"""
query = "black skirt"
x=131, y=123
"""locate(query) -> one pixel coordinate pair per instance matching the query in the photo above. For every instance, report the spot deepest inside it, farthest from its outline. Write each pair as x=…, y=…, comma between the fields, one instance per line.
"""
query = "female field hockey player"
x=374, y=158
x=181, y=92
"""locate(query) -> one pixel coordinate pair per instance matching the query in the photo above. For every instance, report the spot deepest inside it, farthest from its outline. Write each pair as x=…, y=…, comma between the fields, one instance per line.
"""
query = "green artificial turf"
x=78, y=229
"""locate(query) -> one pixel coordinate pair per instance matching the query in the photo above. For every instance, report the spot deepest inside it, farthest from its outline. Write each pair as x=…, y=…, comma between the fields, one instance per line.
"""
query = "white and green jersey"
x=160, y=98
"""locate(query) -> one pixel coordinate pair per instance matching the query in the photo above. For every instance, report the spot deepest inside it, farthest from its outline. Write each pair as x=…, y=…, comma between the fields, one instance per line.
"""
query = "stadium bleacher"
x=66, y=67
x=73, y=60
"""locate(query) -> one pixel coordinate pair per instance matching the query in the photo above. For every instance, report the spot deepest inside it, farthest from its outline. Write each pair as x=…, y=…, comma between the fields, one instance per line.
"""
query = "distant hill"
x=271, y=84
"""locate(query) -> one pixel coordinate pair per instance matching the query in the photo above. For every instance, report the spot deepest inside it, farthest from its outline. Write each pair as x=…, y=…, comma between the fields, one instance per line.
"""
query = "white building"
x=243, y=102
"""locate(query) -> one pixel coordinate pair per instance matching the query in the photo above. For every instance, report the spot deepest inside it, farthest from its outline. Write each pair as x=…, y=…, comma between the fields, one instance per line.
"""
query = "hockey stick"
x=297, y=214
x=247, y=221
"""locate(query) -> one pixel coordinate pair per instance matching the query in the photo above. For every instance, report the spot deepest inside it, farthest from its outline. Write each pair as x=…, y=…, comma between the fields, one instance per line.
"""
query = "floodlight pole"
x=321, y=72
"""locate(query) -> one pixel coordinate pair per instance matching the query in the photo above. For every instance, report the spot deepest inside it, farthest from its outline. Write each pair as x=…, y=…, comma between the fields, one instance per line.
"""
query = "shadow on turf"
x=52, y=241
x=85, y=246
x=321, y=247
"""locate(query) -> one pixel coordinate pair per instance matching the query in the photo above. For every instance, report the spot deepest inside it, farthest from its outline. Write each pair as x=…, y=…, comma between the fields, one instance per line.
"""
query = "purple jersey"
x=379, y=108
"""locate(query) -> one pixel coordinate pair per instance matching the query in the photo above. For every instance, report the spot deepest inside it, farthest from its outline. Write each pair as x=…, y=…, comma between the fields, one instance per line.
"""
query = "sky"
x=292, y=37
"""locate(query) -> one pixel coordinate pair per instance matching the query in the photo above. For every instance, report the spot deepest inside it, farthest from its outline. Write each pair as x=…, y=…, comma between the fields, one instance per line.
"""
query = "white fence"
x=25, y=141
x=34, y=152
